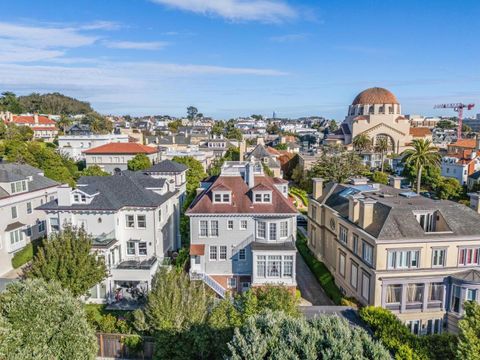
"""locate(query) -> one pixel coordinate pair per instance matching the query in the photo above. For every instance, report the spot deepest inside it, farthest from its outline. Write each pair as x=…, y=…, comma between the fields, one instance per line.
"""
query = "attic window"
x=262, y=197
x=432, y=221
x=221, y=197
x=18, y=186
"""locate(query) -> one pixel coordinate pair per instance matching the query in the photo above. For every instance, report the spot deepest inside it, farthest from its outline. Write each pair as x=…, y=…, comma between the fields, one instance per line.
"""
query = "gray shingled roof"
x=115, y=192
x=167, y=166
x=10, y=172
x=394, y=216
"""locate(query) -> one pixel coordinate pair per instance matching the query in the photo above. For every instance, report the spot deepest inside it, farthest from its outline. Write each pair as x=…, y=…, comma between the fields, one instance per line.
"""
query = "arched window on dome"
x=371, y=110
x=360, y=110
x=390, y=109
x=381, y=109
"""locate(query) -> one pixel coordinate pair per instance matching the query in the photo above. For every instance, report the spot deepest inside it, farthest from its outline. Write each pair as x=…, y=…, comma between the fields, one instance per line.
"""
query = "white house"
x=133, y=219
x=243, y=230
x=74, y=145
x=22, y=189
x=460, y=166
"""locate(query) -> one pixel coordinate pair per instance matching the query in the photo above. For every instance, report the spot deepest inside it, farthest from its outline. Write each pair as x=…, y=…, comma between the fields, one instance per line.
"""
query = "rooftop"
x=375, y=95
x=167, y=166
x=122, y=148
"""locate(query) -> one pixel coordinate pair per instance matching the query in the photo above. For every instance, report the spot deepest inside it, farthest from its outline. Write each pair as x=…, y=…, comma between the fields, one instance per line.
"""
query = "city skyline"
x=235, y=58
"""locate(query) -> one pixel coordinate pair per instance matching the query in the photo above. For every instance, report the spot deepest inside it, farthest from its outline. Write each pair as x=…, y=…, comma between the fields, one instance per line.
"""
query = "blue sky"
x=237, y=57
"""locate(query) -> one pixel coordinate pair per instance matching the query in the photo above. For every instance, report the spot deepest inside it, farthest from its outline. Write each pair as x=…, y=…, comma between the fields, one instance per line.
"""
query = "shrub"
x=380, y=177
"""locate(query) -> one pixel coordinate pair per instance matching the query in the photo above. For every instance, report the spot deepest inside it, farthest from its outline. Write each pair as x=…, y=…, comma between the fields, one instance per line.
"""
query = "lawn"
x=319, y=269
x=26, y=254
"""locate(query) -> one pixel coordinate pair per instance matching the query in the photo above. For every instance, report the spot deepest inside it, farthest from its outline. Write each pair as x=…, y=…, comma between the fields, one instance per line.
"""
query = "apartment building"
x=387, y=247
x=133, y=219
x=114, y=157
x=73, y=145
x=243, y=230
x=22, y=189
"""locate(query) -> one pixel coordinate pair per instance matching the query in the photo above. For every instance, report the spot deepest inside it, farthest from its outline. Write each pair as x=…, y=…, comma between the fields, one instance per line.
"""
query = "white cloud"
x=101, y=25
x=288, y=38
x=140, y=45
x=272, y=11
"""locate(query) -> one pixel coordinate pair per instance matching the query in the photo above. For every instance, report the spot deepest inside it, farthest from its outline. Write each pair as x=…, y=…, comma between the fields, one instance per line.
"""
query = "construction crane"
x=458, y=107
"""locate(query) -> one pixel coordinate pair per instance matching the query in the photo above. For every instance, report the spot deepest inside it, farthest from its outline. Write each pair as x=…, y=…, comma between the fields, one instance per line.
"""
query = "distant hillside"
x=54, y=103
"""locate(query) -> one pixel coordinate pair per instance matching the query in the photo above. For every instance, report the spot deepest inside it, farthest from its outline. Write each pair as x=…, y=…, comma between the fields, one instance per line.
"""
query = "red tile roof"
x=22, y=119
x=198, y=249
x=272, y=151
x=466, y=143
x=242, y=199
x=122, y=148
x=39, y=128
x=420, y=131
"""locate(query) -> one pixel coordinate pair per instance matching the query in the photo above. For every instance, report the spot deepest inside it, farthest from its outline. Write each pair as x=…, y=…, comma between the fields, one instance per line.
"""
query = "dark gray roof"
x=167, y=166
x=13, y=226
x=259, y=152
x=288, y=245
x=475, y=175
x=10, y=172
x=180, y=139
x=394, y=216
x=471, y=275
x=117, y=191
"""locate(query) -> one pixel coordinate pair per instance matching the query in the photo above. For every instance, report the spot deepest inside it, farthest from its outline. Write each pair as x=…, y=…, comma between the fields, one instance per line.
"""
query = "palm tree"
x=423, y=154
x=382, y=146
x=362, y=142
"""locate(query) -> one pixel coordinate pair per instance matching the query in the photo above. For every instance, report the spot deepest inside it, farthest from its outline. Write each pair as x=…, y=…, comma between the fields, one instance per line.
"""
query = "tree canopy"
x=469, y=336
x=94, y=170
x=195, y=172
x=53, y=103
x=66, y=257
x=139, y=162
x=41, y=321
x=275, y=335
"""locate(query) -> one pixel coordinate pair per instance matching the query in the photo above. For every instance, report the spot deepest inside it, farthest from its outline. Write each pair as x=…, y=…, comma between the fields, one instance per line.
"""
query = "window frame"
x=144, y=222
x=210, y=253
x=222, y=253
x=230, y=222
x=129, y=221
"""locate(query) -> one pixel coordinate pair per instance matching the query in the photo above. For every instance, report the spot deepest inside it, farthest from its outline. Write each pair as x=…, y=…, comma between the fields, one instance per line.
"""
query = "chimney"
x=64, y=195
x=354, y=207
x=366, y=212
x=242, y=148
x=35, y=118
x=395, y=181
x=260, y=141
x=249, y=174
x=475, y=201
x=317, y=188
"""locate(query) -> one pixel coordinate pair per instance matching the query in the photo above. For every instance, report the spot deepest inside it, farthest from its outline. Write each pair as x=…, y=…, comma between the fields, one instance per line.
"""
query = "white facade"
x=20, y=222
x=112, y=163
x=74, y=145
x=459, y=169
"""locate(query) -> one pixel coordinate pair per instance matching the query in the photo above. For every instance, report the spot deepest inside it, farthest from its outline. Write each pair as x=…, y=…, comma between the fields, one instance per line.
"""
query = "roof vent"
x=359, y=181
x=408, y=194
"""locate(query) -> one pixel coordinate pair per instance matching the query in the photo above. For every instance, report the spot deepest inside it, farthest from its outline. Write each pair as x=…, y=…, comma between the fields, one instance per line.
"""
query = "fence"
x=114, y=346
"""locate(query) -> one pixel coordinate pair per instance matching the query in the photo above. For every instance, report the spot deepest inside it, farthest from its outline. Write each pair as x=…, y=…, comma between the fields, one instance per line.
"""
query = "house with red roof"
x=113, y=157
x=243, y=230
x=43, y=126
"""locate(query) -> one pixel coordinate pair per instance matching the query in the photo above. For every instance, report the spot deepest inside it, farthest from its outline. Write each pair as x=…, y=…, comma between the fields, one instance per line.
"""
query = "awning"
x=14, y=226
x=197, y=249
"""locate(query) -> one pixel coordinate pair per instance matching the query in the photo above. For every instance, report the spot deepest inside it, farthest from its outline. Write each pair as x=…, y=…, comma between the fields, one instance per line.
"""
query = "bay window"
x=261, y=265
x=393, y=294
x=274, y=264
x=288, y=266
x=435, y=292
x=272, y=231
x=414, y=293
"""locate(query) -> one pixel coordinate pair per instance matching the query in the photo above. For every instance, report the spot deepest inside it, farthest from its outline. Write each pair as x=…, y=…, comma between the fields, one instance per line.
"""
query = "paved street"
x=309, y=286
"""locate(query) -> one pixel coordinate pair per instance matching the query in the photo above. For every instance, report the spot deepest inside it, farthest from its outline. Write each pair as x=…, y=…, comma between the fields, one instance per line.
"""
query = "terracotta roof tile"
x=420, y=131
x=375, y=95
x=466, y=143
x=122, y=148
x=26, y=119
x=242, y=199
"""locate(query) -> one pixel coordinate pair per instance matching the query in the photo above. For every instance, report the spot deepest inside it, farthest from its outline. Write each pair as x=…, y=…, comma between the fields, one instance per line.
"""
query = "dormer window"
x=222, y=197
x=18, y=186
x=79, y=198
x=262, y=197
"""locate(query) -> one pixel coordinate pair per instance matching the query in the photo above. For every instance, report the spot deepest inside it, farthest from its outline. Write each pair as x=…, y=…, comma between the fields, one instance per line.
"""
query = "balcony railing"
x=208, y=280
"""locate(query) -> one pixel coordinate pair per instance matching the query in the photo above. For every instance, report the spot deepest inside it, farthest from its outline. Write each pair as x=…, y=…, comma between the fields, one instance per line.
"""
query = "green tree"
x=362, y=142
x=380, y=177
x=446, y=124
x=234, y=134
x=64, y=122
x=275, y=298
x=332, y=126
x=275, y=335
x=192, y=112
x=423, y=154
x=338, y=165
x=195, y=172
x=218, y=128
x=382, y=145
x=139, y=162
x=10, y=102
x=66, y=257
x=469, y=336
x=173, y=126
x=98, y=124
x=448, y=188
x=42, y=321
x=94, y=170
x=273, y=129
x=283, y=146
x=54, y=103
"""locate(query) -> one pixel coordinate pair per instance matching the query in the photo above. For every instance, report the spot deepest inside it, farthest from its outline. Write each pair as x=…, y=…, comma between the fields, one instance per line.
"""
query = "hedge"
x=319, y=269
x=302, y=194
x=404, y=345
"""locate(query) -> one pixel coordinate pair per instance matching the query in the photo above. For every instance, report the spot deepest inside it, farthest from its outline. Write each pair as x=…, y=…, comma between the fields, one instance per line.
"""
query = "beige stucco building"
x=377, y=113
x=386, y=247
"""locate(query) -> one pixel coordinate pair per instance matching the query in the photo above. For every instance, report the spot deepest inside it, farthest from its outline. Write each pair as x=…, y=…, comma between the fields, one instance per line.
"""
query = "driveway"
x=308, y=285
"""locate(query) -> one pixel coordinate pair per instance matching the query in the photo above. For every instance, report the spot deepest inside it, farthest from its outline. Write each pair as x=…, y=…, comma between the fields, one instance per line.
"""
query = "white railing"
x=208, y=280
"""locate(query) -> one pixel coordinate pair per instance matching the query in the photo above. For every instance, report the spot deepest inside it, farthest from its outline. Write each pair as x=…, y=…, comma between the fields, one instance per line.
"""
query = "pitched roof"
x=30, y=119
x=394, y=214
x=122, y=148
x=259, y=152
x=242, y=199
x=467, y=143
x=10, y=172
x=420, y=131
x=117, y=191
x=167, y=166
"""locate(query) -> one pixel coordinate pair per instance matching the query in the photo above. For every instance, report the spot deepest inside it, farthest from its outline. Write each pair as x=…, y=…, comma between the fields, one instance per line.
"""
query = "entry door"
x=195, y=264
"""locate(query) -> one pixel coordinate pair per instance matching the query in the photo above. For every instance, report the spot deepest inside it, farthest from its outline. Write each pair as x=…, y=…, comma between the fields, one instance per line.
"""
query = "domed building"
x=376, y=113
